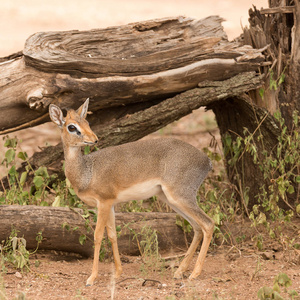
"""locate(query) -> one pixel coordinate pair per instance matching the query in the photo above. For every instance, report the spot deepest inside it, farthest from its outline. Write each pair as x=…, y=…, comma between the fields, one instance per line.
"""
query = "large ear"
x=83, y=109
x=56, y=115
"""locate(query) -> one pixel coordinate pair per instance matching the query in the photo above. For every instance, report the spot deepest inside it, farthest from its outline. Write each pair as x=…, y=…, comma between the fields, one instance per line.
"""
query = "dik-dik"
x=167, y=168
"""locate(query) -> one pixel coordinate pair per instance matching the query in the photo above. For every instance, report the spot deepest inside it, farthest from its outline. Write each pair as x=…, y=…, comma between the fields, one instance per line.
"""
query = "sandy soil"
x=230, y=272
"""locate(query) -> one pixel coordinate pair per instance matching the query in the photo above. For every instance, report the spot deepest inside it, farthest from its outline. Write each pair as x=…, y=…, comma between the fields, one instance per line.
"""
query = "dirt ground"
x=232, y=271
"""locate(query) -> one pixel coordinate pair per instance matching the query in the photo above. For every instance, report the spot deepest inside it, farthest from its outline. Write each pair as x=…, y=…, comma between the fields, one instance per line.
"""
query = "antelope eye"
x=72, y=128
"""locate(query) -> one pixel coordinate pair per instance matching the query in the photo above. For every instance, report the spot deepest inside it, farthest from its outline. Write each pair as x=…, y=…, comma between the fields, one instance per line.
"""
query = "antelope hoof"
x=118, y=273
x=90, y=281
x=193, y=276
x=178, y=275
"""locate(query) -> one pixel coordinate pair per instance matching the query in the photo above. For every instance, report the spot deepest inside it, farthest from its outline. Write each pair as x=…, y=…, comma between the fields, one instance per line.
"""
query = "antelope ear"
x=83, y=109
x=56, y=115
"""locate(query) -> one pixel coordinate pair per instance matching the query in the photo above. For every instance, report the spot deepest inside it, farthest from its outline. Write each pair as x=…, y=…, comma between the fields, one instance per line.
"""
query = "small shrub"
x=281, y=281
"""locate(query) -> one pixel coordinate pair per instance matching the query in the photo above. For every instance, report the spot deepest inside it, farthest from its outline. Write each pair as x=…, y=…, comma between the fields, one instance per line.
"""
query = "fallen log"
x=115, y=67
x=62, y=227
x=134, y=126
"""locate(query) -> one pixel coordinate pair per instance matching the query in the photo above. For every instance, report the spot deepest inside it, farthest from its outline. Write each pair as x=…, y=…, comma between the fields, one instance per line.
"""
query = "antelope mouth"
x=90, y=143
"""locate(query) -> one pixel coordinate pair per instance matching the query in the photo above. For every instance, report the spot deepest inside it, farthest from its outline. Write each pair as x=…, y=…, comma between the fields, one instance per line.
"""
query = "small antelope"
x=168, y=168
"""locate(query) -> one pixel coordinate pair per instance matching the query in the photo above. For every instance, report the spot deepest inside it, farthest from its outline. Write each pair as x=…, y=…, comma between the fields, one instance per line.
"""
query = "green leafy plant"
x=14, y=252
x=147, y=241
x=33, y=186
x=280, y=169
x=18, y=192
x=65, y=195
x=281, y=281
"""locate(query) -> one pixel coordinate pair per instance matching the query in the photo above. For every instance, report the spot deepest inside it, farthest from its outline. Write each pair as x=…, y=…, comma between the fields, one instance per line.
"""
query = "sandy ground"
x=230, y=272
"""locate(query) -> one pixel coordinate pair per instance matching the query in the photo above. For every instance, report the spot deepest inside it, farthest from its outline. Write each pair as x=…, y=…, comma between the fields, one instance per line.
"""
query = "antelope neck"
x=74, y=165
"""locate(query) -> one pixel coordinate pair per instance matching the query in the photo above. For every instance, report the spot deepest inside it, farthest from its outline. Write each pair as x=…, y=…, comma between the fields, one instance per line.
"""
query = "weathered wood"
x=134, y=126
x=236, y=114
x=278, y=10
x=278, y=29
x=130, y=50
x=61, y=228
x=136, y=63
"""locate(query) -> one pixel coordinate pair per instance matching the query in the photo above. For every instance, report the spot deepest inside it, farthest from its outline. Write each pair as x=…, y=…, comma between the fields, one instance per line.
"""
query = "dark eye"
x=72, y=128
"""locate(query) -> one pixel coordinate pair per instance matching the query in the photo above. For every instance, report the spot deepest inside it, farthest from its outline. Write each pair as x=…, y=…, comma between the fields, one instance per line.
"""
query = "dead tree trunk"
x=62, y=227
x=277, y=29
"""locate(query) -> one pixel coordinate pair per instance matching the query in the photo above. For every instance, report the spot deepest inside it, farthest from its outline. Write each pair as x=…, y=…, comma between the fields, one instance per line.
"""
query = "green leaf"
x=291, y=189
x=10, y=155
x=293, y=294
x=82, y=239
x=72, y=192
x=42, y=171
x=283, y=280
x=12, y=171
x=44, y=203
x=23, y=241
x=261, y=93
x=298, y=209
x=87, y=150
x=7, y=143
x=14, y=243
x=11, y=143
x=259, y=244
x=217, y=219
x=56, y=202
x=66, y=225
x=228, y=140
x=38, y=181
x=23, y=178
x=276, y=287
x=37, y=263
x=277, y=296
x=277, y=115
x=265, y=293
x=22, y=155
x=261, y=219
x=281, y=79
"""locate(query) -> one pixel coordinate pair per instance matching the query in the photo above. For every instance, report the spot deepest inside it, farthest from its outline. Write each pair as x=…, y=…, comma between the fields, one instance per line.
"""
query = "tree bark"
x=62, y=227
x=133, y=64
x=233, y=116
x=134, y=126
x=277, y=30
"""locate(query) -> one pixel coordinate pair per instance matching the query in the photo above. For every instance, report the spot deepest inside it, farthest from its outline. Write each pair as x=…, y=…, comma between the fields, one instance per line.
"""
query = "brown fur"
x=169, y=168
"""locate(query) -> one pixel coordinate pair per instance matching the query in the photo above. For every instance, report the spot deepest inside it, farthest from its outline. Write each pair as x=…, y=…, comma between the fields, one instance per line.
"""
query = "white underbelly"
x=140, y=191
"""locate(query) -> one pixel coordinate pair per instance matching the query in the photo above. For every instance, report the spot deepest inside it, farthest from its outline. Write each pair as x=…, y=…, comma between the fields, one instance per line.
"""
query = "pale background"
x=21, y=18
